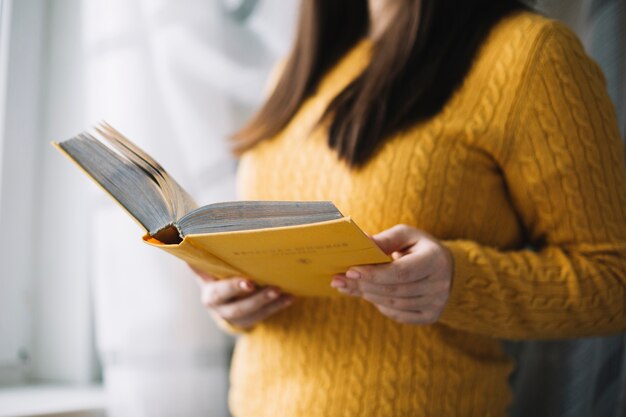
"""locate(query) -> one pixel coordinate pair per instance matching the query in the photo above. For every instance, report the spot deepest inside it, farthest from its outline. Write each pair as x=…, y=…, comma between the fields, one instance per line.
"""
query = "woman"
x=475, y=141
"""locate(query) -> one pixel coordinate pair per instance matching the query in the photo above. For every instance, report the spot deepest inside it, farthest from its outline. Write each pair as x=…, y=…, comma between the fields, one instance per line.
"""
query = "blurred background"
x=92, y=321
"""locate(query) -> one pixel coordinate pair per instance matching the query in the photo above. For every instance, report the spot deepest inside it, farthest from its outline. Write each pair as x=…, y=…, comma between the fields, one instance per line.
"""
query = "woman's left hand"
x=414, y=287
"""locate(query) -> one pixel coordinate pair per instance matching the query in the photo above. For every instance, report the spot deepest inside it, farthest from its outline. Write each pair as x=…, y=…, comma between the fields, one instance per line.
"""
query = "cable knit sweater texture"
x=521, y=175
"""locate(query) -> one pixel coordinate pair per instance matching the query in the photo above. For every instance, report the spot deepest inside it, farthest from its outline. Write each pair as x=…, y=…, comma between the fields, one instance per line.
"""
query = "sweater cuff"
x=453, y=315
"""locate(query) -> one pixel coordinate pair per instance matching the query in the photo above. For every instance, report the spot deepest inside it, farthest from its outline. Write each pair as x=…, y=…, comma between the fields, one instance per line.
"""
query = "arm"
x=565, y=170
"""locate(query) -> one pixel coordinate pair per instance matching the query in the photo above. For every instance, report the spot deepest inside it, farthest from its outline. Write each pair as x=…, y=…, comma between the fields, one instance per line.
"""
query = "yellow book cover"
x=297, y=246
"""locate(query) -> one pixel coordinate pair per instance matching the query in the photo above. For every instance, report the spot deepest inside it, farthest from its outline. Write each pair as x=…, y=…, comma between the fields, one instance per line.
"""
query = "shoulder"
x=527, y=65
x=550, y=59
x=561, y=97
x=533, y=40
x=527, y=48
x=528, y=28
x=515, y=45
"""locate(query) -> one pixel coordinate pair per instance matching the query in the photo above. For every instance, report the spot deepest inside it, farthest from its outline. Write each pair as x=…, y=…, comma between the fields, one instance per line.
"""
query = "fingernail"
x=273, y=294
x=337, y=283
x=246, y=285
x=352, y=274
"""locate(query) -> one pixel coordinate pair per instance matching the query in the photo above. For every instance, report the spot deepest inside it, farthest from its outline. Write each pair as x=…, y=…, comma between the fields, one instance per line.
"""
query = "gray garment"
x=585, y=377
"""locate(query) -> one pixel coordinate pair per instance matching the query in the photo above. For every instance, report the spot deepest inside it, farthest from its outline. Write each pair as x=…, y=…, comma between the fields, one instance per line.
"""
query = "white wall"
x=62, y=336
x=44, y=285
x=21, y=132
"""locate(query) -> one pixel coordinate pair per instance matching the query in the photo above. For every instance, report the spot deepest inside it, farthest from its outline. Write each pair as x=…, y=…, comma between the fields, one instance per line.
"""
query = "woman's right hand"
x=240, y=302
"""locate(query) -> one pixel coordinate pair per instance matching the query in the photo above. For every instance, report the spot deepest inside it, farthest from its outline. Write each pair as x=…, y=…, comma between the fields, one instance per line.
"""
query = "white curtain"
x=176, y=76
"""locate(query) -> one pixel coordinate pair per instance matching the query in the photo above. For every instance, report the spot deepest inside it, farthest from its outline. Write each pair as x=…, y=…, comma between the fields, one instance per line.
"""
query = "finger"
x=396, y=238
x=405, y=304
x=397, y=272
x=339, y=282
x=244, y=307
x=421, y=303
x=397, y=255
x=268, y=310
x=409, y=317
x=220, y=292
x=412, y=289
x=415, y=266
x=432, y=285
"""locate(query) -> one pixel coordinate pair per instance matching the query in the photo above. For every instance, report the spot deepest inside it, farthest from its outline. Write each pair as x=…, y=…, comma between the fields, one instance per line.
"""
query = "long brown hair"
x=417, y=63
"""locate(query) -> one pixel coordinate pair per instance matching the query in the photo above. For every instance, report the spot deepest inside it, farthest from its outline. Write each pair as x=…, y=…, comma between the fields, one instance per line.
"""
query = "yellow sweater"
x=522, y=176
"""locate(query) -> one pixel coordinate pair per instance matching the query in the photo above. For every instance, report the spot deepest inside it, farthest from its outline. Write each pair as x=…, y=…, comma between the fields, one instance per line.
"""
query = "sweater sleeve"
x=565, y=172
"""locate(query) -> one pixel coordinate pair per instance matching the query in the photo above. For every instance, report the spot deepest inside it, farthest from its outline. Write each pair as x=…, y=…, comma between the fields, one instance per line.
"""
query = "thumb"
x=396, y=239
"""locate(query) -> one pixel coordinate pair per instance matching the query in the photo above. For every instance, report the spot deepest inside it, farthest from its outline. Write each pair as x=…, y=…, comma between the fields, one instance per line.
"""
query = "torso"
x=341, y=357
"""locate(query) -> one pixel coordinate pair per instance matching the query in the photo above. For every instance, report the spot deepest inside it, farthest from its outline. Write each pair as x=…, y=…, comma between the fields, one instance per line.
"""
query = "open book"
x=297, y=246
